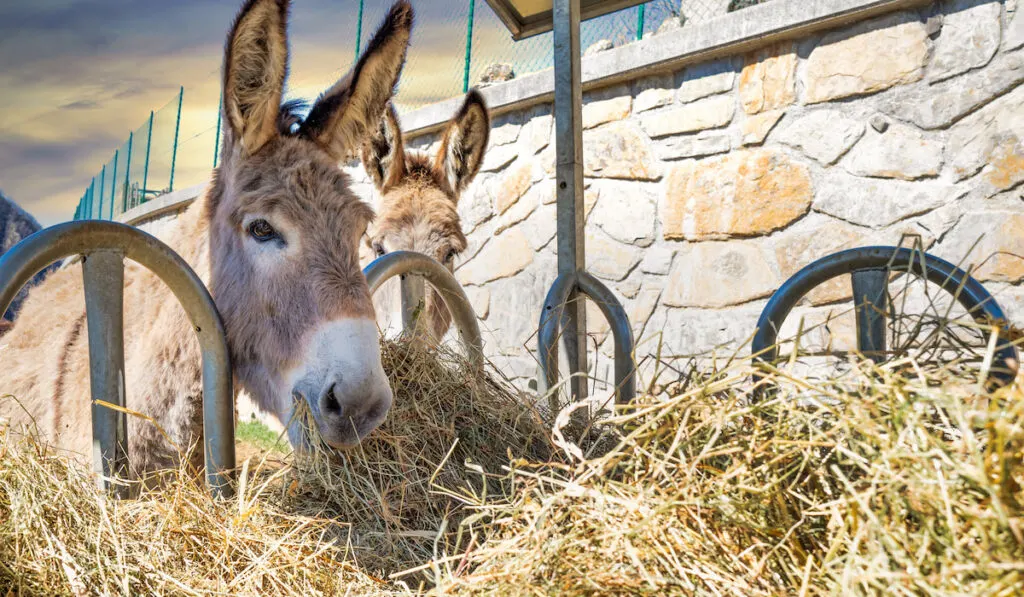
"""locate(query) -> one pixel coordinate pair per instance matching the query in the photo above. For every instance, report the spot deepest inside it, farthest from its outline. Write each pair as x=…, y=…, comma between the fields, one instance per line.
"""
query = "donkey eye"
x=378, y=248
x=262, y=231
x=450, y=255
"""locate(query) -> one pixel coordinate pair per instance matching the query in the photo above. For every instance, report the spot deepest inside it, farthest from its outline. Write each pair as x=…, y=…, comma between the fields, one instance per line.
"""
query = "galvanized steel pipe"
x=965, y=289
x=400, y=263
x=109, y=239
x=551, y=322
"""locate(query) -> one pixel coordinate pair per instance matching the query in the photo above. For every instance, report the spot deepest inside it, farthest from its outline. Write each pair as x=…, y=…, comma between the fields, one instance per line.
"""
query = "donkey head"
x=420, y=194
x=285, y=229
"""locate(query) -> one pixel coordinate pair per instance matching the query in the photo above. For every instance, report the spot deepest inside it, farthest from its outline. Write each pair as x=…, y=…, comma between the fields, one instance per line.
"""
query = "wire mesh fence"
x=456, y=45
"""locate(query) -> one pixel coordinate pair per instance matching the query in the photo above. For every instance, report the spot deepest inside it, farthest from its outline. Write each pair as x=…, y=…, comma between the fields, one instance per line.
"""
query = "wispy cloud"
x=76, y=76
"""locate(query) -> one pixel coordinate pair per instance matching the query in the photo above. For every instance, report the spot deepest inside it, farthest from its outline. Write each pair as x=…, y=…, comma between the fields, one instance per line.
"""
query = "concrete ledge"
x=162, y=205
x=733, y=33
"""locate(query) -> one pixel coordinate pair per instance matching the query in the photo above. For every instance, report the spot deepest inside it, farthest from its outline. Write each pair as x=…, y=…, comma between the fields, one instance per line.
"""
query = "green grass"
x=261, y=436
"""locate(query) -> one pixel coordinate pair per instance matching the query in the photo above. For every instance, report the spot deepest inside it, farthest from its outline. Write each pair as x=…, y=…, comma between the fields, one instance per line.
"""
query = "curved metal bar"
x=547, y=331
x=37, y=251
x=967, y=291
x=399, y=263
x=611, y=308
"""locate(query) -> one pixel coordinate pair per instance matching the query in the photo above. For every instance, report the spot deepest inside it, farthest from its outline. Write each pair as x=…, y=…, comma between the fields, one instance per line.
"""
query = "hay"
x=877, y=482
x=880, y=484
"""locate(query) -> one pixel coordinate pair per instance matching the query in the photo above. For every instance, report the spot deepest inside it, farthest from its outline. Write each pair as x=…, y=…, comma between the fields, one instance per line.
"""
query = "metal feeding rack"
x=563, y=306
x=103, y=247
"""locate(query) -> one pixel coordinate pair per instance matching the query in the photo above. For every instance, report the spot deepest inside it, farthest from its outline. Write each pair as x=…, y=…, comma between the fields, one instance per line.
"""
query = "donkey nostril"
x=331, y=404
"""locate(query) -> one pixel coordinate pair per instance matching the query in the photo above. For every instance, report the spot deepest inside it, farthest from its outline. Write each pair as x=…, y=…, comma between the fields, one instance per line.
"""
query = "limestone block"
x=719, y=274
x=991, y=141
x=755, y=128
x=999, y=256
x=768, y=81
x=619, y=150
x=609, y=259
x=866, y=58
x=901, y=152
x=713, y=112
x=706, y=79
x=513, y=185
x=823, y=135
x=745, y=193
x=878, y=203
x=938, y=106
x=969, y=37
x=694, y=146
x=625, y=211
x=503, y=256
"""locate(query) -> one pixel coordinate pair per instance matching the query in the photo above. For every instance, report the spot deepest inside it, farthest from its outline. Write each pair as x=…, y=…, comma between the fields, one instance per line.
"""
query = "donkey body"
x=275, y=237
x=420, y=194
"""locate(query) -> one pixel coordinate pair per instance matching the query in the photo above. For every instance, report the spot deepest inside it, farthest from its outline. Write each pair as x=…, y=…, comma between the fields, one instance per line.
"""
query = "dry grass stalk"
x=874, y=482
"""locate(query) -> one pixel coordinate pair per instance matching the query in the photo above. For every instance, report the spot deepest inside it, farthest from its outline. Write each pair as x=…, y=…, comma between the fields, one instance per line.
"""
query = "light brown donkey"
x=420, y=194
x=275, y=237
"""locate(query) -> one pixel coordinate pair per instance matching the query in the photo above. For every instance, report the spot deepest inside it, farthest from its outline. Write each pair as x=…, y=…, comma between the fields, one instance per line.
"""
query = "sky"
x=77, y=76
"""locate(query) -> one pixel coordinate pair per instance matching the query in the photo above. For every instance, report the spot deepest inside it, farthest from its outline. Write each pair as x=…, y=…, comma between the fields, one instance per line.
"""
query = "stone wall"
x=707, y=186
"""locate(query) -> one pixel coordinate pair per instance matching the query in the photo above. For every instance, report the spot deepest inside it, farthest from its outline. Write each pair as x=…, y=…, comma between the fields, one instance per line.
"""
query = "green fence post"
x=91, y=196
x=216, y=139
x=640, y=22
x=469, y=47
x=177, y=127
x=103, y=183
x=113, y=183
x=145, y=169
x=127, y=172
x=359, y=29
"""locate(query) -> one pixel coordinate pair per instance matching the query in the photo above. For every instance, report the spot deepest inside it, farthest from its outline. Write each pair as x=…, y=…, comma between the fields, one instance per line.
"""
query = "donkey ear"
x=350, y=110
x=384, y=151
x=255, y=68
x=464, y=142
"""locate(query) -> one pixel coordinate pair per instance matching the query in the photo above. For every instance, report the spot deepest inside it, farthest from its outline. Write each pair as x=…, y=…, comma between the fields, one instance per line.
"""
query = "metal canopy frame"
x=564, y=19
x=536, y=22
x=104, y=246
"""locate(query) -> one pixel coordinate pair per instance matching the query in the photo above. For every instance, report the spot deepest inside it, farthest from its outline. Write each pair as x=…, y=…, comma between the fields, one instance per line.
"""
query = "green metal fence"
x=455, y=43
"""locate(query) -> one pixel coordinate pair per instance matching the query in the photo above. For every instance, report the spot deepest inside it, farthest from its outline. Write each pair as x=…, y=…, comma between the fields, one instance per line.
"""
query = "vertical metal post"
x=469, y=47
x=216, y=139
x=569, y=181
x=127, y=172
x=113, y=183
x=103, y=183
x=103, y=273
x=640, y=21
x=177, y=128
x=359, y=30
x=869, y=298
x=145, y=169
x=413, y=300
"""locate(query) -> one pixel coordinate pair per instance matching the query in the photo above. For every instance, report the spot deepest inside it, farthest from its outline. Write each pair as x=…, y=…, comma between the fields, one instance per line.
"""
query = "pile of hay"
x=323, y=525
x=875, y=482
